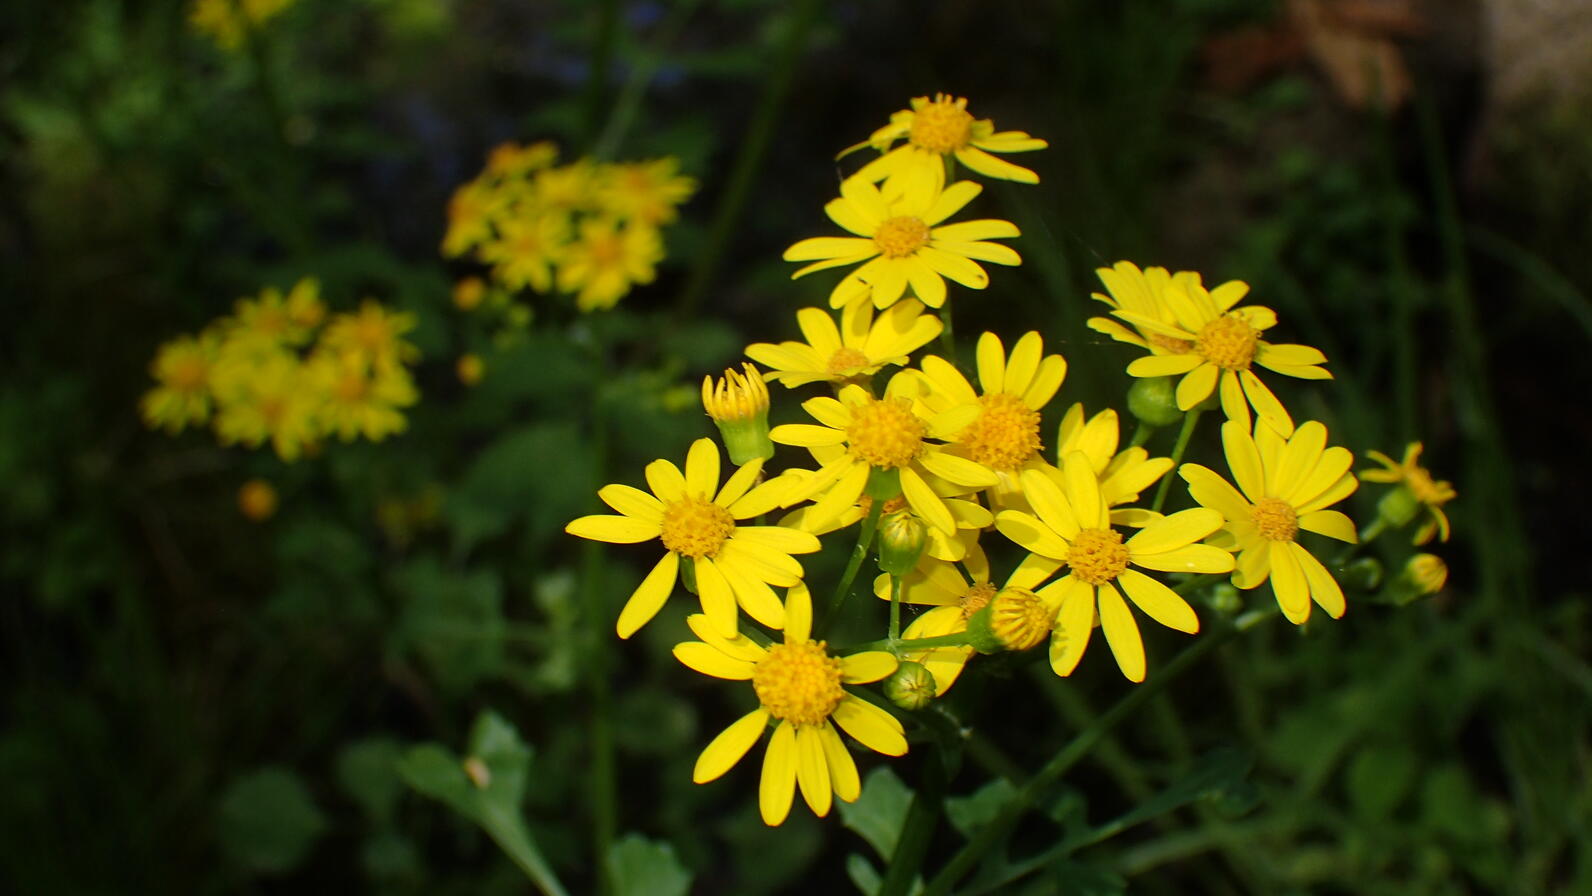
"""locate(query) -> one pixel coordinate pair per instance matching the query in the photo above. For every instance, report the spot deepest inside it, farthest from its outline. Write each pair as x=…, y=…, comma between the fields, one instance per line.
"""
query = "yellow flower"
x=510, y=159
x=859, y=348
x=730, y=563
x=471, y=211
x=606, y=260
x=898, y=238
x=182, y=368
x=227, y=21
x=1286, y=487
x=361, y=397
x=1223, y=343
x=1004, y=432
x=374, y=332
x=1123, y=475
x=970, y=516
x=941, y=128
x=272, y=318
x=269, y=399
x=1143, y=293
x=526, y=250
x=1425, y=491
x=469, y=368
x=800, y=688
x=257, y=500
x=886, y=436
x=468, y=293
x=568, y=188
x=1072, y=525
x=646, y=192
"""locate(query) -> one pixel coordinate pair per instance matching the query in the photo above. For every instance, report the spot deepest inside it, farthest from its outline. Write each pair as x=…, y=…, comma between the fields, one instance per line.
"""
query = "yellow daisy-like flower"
x=800, y=688
x=270, y=400
x=1223, y=345
x=860, y=347
x=1004, y=434
x=526, y=250
x=471, y=212
x=1123, y=474
x=730, y=563
x=646, y=192
x=1073, y=526
x=361, y=397
x=568, y=188
x=606, y=260
x=374, y=332
x=1426, y=492
x=227, y=21
x=1143, y=293
x=510, y=159
x=182, y=369
x=943, y=128
x=900, y=239
x=887, y=436
x=1286, y=487
x=273, y=318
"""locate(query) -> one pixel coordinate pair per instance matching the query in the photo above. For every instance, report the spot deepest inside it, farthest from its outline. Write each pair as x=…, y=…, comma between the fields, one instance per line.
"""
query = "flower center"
x=693, y=527
x=798, y=683
x=1276, y=519
x=350, y=387
x=1228, y=342
x=886, y=434
x=1020, y=619
x=846, y=361
x=976, y=598
x=1098, y=556
x=900, y=236
x=942, y=126
x=188, y=375
x=1169, y=343
x=607, y=252
x=1005, y=434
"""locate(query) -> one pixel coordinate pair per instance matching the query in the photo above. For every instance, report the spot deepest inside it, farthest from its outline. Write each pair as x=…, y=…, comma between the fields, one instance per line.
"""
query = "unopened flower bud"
x=1152, y=400
x=257, y=500
x=901, y=540
x=738, y=403
x=1224, y=599
x=1364, y=574
x=911, y=687
x=1016, y=619
x=468, y=293
x=1398, y=507
x=469, y=369
x=1423, y=576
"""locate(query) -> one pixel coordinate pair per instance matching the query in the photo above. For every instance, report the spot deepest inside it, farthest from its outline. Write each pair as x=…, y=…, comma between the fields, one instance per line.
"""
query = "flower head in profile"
x=801, y=690
x=606, y=260
x=699, y=525
x=941, y=128
x=1284, y=488
x=1415, y=490
x=900, y=241
x=1201, y=336
x=883, y=438
x=1142, y=292
x=182, y=370
x=1072, y=525
x=859, y=348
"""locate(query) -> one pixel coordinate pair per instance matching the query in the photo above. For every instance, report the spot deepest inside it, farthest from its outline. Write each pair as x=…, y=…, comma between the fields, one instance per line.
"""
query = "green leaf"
x=1378, y=779
x=540, y=473
x=452, y=620
x=969, y=813
x=642, y=867
x=879, y=812
x=268, y=822
x=368, y=771
x=1078, y=879
x=863, y=874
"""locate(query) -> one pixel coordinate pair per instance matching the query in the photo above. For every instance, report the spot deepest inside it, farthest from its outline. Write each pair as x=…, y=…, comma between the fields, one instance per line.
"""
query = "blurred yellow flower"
x=227, y=21
x=469, y=369
x=271, y=401
x=257, y=500
x=468, y=293
x=182, y=368
x=645, y=192
x=374, y=332
x=1420, y=491
x=800, y=688
x=361, y=395
x=942, y=128
x=525, y=252
x=857, y=349
x=606, y=259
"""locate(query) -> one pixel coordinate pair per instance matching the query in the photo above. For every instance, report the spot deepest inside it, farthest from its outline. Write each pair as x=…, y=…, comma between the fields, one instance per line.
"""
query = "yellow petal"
x=724, y=751
x=976, y=231
x=957, y=470
x=1024, y=362
x=1202, y=558
x=1332, y=466
x=989, y=166
x=955, y=267
x=1253, y=566
x=702, y=468
x=826, y=247
x=798, y=614
x=991, y=357
x=614, y=529
x=709, y=660
x=927, y=285
x=718, y=600
x=818, y=328
x=844, y=493
x=1196, y=386
x=665, y=480
x=1122, y=633
x=1234, y=404
x=812, y=770
x=1164, y=365
x=842, y=768
x=1050, y=503
x=1074, y=623
x=632, y=502
x=739, y=483
x=1047, y=380
x=1178, y=530
x=871, y=726
x=1331, y=523
x=1266, y=404
x=950, y=201
x=1288, y=582
x=1298, y=459
x=1159, y=602
x=1083, y=492
x=888, y=280
x=1032, y=534
x=778, y=784
x=649, y=596
x=861, y=668
x=740, y=647
x=751, y=592
x=778, y=538
x=925, y=503
x=806, y=435
x=1323, y=587
x=1243, y=458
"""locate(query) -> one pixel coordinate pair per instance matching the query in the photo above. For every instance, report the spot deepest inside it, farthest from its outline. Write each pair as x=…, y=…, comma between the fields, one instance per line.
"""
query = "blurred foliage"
x=194, y=702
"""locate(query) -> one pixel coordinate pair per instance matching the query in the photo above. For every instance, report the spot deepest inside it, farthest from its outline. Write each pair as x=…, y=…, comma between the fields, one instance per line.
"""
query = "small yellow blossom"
x=374, y=332
x=469, y=368
x=861, y=346
x=182, y=368
x=361, y=396
x=934, y=130
x=645, y=192
x=510, y=159
x=606, y=260
x=468, y=293
x=257, y=500
x=526, y=251
x=738, y=404
x=1419, y=487
x=272, y=400
x=227, y=21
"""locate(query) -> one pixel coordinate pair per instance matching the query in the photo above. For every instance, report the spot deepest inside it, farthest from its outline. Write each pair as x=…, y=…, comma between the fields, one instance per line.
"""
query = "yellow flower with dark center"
x=1223, y=344
x=883, y=435
x=182, y=370
x=730, y=562
x=900, y=241
x=941, y=128
x=859, y=348
x=800, y=688
x=1421, y=488
x=1286, y=487
x=606, y=260
x=1072, y=525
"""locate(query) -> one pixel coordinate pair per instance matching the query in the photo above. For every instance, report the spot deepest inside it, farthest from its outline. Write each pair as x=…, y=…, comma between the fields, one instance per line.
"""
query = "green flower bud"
x=1398, y=507
x=1016, y=619
x=902, y=537
x=1364, y=574
x=1153, y=401
x=1223, y=598
x=912, y=686
x=1423, y=576
x=738, y=403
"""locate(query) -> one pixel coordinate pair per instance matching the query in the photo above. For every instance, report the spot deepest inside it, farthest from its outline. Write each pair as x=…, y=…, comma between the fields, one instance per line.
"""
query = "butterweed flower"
x=646, y=192
x=272, y=318
x=606, y=259
x=362, y=396
x=373, y=332
x=738, y=404
x=800, y=688
x=883, y=435
x=1286, y=487
x=468, y=293
x=941, y=128
x=900, y=242
x=859, y=348
x=271, y=401
x=526, y=251
x=1200, y=335
x=1414, y=490
x=227, y=21
x=1123, y=475
x=730, y=563
x=1072, y=525
x=182, y=368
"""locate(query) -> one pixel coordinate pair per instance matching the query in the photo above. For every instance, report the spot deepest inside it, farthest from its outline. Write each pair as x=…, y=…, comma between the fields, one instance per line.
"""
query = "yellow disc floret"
x=1276, y=519
x=1098, y=556
x=886, y=434
x=1020, y=619
x=1005, y=434
x=693, y=527
x=976, y=598
x=798, y=682
x=901, y=236
x=1229, y=342
x=943, y=126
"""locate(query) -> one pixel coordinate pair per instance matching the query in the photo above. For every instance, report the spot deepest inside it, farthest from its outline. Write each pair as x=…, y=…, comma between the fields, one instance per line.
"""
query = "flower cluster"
x=589, y=229
x=227, y=22
x=953, y=469
x=279, y=370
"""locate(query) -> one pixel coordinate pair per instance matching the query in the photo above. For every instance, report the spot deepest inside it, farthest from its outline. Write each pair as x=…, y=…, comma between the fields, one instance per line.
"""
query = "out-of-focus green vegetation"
x=197, y=702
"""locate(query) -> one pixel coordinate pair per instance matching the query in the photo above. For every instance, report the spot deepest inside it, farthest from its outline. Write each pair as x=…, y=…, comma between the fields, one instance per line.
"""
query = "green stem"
x=634, y=90
x=895, y=608
x=602, y=57
x=897, y=645
x=922, y=817
x=1141, y=434
x=996, y=830
x=858, y=553
x=754, y=146
x=603, y=781
x=1183, y=436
